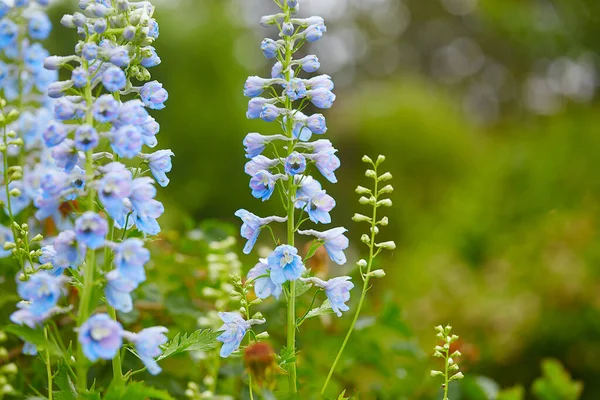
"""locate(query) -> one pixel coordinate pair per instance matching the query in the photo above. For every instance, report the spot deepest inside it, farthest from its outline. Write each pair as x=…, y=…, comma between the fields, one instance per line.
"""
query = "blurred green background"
x=487, y=113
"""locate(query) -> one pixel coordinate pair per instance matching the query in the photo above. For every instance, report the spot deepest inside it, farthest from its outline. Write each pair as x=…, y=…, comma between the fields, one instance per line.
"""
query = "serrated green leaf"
x=323, y=309
x=136, y=391
x=63, y=382
x=201, y=340
x=35, y=336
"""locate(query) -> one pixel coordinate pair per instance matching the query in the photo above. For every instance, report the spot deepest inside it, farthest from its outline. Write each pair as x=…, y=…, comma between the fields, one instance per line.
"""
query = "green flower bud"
x=15, y=192
x=458, y=375
x=263, y=335
x=361, y=218
x=384, y=203
x=37, y=238
x=374, y=229
x=9, y=245
x=258, y=315
x=365, y=238
x=384, y=221
x=380, y=159
x=378, y=273
x=10, y=369
x=386, y=189
x=385, y=177
x=13, y=115
x=387, y=245
x=371, y=174
x=362, y=263
x=3, y=337
x=367, y=159
x=435, y=373
x=243, y=310
x=362, y=190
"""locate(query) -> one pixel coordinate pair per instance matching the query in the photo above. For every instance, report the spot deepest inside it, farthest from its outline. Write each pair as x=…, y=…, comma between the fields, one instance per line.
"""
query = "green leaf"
x=286, y=356
x=323, y=309
x=136, y=391
x=514, y=393
x=313, y=249
x=556, y=383
x=201, y=340
x=35, y=336
x=342, y=396
x=64, y=383
x=302, y=287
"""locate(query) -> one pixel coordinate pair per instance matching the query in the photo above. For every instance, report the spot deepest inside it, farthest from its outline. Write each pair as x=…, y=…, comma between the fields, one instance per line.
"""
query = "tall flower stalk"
x=100, y=127
x=292, y=157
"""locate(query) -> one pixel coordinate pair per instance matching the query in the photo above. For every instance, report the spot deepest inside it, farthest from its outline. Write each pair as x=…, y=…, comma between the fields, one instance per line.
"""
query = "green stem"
x=250, y=386
x=446, y=381
x=48, y=367
x=89, y=268
x=365, y=288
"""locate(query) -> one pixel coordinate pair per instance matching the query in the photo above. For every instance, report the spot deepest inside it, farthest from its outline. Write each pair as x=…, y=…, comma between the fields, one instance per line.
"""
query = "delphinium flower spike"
x=280, y=167
x=376, y=198
x=102, y=121
x=451, y=369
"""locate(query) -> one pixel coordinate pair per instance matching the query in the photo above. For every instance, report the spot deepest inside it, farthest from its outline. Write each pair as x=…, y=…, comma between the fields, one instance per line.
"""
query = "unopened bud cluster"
x=451, y=370
x=376, y=198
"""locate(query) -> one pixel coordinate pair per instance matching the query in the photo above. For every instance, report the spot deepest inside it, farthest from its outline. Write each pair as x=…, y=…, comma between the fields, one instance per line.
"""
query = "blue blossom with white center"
x=68, y=252
x=286, y=264
x=39, y=25
x=42, y=291
x=295, y=164
x=154, y=95
x=147, y=344
x=252, y=226
x=100, y=337
x=263, y=284
x=234, y=329
x=86, y=137
x=337, y=291
x=130, y=258
x=127, y=141
x=105, y=109
x=114, y=79
x=160, y=163
x=334, y=241
x=91, y=230
x=263, y=184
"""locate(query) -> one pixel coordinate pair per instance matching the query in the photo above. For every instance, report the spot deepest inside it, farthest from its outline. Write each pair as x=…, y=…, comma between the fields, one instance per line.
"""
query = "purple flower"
x=295, y=164
x=327, y=163
x=127, y=141
x=264, y=286
x=147, y=344
x=255, y=143
x=160, y=163
x=285, y=264
x=319, y=206
x=86, y=138
x=154, y=95
x=252, y=225
x=263, y=184
x=100, y=337
x=114, y=79
x=234, y=329
x=337, y=291
x=91, y=230
x=307, y=187
x=334, y=241
x=322, y=98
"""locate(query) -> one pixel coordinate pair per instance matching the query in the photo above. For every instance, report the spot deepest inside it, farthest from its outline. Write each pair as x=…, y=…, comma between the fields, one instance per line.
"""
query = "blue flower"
x=66, y=155
x=119, y=56
x=24, y=316
x=154, y=29
x=68, y=253
x=105, y=109
x=86, y=137
x=39, y=25
x=320, y=81
x=90, y=51
x=295, y=89
x=6, y=235
x=154, y=95
x=334, y=241
x=307, y=187
x=65, y=109
x=147, y=344
x=263, y=185
x=114, y=79
x=287, y=29
x=337, y=291
x=160, y=163
x=269, y=48
x=127, y=141
x=132, y=112
x=255, y=106
x=264, y=286
x=327, y=163
x=29, y=349
x=118, y=291
x=91, y=230
x=101, y=337
x=130, y=258
x=295, y=164
x=252, y=225
x=145, y=209
x=42, y=291
x=277, y=70
x=8, y=32
x=270, y=113
x=255, y=85
x=319, y=206
x=34, y=56
x=113, y=189
x=310, y=63
x=151, y=59
x=234, y=329
x=285, y=264
x=314, y=32
x=321, y=97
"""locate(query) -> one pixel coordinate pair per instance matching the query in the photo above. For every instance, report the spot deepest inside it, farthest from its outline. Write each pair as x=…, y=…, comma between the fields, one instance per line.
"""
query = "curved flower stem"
x=366, y=277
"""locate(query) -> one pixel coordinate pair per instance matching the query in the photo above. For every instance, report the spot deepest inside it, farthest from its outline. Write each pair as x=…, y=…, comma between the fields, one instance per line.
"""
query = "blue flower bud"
x=321, y=81
x=99, y=10
x=126, y=141
x=309, y=63
x=321, y=98
x=58, y=89
x=120, y=57
x=154, y=95
x=295, y=164
x=255, y=106
x=123, y=5
x=154, y=29
x=86, y=138
x=67, y=21
x=114, y=79
x=151, y=59
x=292, y=3
x=314, y=33
x=316, y=123
x=100, y=26
x=4, y=8
x=90, y=51
x=269, y=48
x=79, y=19
x=105, y=109
x=270, y=113
x=64, y=109
x=287, y=29
x=129, y=32
x=277, y=71
x=8, y=32
x=255, y=85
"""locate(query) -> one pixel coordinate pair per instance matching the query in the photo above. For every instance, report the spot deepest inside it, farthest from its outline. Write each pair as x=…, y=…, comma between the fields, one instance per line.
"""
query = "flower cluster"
x=101, y=125
x=283, y=163
x=451, y=369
